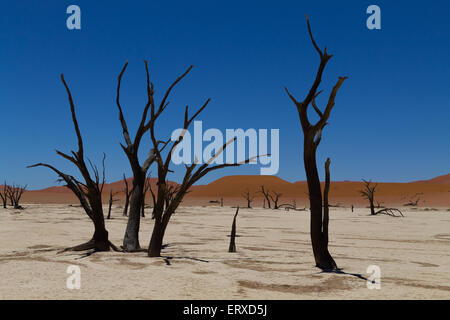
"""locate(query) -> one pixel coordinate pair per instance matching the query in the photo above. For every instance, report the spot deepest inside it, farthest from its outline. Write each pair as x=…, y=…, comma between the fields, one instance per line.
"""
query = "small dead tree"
x=89, y=192
x=4, y=195
x=414, y=201
x=265, y=193
x=14, y=194
x=232, y=247
x=110, y=202
x=249, y=198
x=369, y=193
x=147, y=186
x=275, y=197
x=154, y=201
x=312, y=134
x=127, y=193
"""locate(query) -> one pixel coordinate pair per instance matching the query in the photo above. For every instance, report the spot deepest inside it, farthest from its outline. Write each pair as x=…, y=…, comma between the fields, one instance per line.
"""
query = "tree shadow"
x=341, y=271
x=167, y=259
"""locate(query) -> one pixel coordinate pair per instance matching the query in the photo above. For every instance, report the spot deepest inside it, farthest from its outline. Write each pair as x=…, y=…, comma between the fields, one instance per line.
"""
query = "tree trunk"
x=232, y=247
x=372, y=207
x=320, y=247
x=101, y=241
x=127, y=203
x=131, y=239
x=143, y=207
x=110, y=204
x=156, y=240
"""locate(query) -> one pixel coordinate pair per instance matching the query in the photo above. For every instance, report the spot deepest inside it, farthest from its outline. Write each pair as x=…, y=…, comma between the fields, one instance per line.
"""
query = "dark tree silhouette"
x=110, y=202
x=14, y=194
x=312, y=134
x=369, y=193
x=232, y=247
x=249, y=198
x=275, y=196
x=127, y=193
x=414, y=201
x=147, y=186
x=4, y=195
x=89, y=192
x=265, y=193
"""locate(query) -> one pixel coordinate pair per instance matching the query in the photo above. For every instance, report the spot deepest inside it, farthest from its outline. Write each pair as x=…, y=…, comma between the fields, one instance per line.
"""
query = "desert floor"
x=274, y=258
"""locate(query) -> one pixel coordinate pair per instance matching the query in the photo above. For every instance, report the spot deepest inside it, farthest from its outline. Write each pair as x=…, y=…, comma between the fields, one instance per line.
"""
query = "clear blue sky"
x=390, y=122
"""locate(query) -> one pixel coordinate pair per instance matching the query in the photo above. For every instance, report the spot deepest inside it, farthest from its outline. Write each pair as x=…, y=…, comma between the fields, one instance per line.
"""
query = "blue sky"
x=390, y=122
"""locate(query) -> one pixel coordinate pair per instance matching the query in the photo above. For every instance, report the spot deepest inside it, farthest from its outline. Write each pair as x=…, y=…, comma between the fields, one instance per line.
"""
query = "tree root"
x=89, y=246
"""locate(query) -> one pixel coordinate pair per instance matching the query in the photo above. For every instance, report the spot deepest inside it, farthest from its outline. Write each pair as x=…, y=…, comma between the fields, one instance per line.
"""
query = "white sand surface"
x=274, y=258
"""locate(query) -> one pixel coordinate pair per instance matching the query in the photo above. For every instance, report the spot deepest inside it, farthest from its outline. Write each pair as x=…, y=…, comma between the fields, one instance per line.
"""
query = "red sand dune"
x=433, y=192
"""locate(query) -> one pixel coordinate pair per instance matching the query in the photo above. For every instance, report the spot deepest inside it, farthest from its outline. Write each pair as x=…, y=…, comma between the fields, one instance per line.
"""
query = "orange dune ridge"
x=434, y=192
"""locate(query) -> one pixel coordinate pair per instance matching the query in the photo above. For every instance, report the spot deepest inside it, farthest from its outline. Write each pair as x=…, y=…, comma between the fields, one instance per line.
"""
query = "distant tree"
x=127, y=193
x=368, y=192
x=4, y=195
x=275, y=197
x=249, y=198
x=265, y=193
x=147, y=186
x=14, y=194
x=414, y=201
x=89, y=192
x=111, y=201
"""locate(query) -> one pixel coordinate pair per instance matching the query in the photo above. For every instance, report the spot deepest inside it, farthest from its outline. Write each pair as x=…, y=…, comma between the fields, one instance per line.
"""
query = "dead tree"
x=89, y=192
x=265, y=193
x=154, y=201
x=312, y=134
x=4, y=195
x=232, y=247
x=131, y=149
x=249, y=198
x=414, y=201
x=147, y=186
x=14, y=194
x=275, y=197
x=110, y=203
x=369, y=193
x=163, y=211
x=127, y=193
